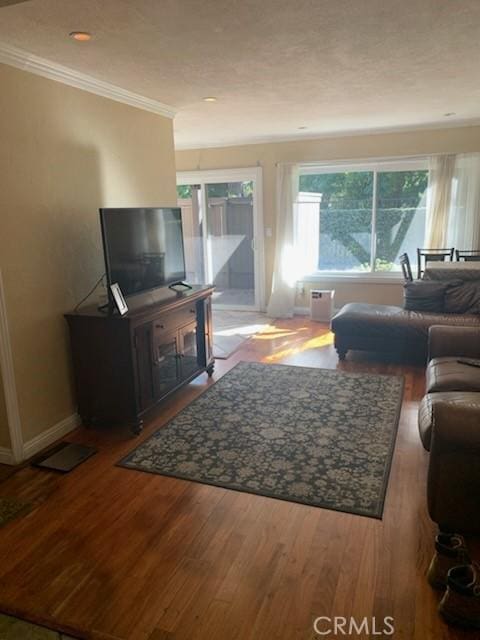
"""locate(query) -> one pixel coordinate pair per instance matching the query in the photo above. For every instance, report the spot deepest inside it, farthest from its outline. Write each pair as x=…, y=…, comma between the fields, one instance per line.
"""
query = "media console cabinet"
x=124, y=366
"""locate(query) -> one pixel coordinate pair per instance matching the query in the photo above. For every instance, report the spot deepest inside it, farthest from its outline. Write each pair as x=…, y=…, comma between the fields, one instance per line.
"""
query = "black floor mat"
x=65, y=457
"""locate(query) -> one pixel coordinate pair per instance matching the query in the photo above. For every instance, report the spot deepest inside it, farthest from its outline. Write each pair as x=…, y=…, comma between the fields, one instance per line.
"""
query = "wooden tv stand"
x=124, y=366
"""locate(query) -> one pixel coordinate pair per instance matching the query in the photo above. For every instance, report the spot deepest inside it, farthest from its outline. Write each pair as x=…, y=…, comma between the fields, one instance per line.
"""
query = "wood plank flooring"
x=110, y=553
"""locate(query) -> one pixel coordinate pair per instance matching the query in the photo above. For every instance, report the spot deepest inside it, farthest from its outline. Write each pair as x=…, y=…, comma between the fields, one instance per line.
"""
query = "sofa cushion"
x=424, y=295
x=463, y=288
x=462, y=297
x=426, y=410
x=447, y=374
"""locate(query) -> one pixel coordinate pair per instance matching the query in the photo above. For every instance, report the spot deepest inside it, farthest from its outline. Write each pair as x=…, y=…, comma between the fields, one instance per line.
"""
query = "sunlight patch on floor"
x=242, y=330
x=271, y=332
x=232, y=328
x=318, y=342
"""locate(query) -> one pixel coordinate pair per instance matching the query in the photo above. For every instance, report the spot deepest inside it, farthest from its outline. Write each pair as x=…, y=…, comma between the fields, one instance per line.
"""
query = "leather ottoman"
x=391, y=330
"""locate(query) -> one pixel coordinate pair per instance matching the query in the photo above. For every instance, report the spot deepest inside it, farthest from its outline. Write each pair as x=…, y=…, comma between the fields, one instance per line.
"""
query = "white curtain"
x=463, y=229
x=282, y=298
x=441, y=170
x=453, y=205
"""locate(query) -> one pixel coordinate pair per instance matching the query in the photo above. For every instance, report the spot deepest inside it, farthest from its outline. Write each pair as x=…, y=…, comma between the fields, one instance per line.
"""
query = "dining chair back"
x=432, y=255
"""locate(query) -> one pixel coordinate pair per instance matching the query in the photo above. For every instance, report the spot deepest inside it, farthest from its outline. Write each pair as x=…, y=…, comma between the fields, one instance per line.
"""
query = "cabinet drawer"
x=172, y=321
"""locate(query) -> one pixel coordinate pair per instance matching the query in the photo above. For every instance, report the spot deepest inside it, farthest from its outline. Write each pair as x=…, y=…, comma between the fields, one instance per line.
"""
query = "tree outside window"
x=356, y=204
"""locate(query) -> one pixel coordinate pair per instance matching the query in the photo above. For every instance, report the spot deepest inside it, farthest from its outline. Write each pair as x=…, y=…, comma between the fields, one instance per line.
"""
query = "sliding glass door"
x=223, y=234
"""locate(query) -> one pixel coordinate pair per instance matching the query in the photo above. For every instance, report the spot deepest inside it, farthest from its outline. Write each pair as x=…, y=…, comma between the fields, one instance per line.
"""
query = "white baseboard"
x=6, y=456
x=301, y=311
x=305, y=311
x=9, y=384
x=48, y=437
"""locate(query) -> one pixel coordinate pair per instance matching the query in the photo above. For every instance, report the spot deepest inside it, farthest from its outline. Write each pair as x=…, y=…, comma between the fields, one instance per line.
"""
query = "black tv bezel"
x=106, y=254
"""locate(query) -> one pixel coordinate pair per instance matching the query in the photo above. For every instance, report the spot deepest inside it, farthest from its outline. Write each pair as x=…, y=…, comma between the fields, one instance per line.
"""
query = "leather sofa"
x=391, y=330
x=449, y=425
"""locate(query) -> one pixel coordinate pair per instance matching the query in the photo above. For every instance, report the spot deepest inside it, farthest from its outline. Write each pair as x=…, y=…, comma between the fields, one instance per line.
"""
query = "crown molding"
x=25, y=61
x=346, y=133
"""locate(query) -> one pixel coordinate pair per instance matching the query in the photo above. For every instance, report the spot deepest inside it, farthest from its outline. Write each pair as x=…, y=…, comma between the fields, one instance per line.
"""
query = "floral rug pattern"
x=315, y=436
x=10, y=508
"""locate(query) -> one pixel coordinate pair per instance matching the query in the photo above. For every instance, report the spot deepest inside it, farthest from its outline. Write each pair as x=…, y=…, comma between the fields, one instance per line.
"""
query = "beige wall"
x=4, y=435
x=63, y=154
x=454, y=140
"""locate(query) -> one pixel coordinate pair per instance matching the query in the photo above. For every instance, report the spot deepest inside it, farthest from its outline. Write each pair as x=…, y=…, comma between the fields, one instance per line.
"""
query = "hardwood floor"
x=113, y=553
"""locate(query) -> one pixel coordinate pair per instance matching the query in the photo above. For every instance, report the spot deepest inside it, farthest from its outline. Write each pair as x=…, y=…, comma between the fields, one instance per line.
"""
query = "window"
x=362, y=218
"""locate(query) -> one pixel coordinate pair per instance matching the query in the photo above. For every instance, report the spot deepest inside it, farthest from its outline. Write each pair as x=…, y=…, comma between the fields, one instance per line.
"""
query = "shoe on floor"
x=450, y=551
x=460, y=604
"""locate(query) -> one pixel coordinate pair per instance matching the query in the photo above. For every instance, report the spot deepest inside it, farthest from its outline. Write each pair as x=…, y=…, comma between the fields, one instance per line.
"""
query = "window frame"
x=420, y=163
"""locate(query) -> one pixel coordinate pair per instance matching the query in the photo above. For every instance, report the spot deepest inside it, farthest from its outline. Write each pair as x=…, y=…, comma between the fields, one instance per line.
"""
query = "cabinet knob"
x=159, y=326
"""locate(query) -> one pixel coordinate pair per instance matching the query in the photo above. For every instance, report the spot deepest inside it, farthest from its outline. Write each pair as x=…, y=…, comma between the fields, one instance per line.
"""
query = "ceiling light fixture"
x=210, y=99
x=80, y=36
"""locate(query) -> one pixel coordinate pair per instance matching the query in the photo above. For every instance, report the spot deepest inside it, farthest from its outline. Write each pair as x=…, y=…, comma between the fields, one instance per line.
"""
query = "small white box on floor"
x=321, y=304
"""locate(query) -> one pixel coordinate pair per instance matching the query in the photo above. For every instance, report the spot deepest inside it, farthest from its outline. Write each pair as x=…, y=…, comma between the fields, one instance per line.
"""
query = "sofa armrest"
x=454, y=468
x=446, y=341
x=456, y=427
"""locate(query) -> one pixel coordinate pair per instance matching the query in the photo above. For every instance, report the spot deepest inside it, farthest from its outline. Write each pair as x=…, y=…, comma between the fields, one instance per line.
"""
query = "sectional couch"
x=403, y=331
x=449, y=425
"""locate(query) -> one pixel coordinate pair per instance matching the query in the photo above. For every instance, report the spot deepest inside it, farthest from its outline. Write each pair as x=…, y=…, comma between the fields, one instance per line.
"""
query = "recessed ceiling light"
x=450, y=113
x=80, y=36
x=210, y=99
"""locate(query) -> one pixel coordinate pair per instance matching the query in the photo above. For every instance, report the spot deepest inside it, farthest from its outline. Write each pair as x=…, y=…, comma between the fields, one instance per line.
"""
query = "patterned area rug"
x=10, y=508
x=316, y=436
x=15, y=629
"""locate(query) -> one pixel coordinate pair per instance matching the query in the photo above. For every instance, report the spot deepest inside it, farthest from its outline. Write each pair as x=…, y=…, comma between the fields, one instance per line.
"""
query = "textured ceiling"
x=275, y=65
x=4, y=3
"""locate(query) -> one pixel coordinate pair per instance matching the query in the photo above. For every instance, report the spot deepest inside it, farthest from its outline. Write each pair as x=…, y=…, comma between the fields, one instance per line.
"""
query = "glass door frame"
x=217, y=176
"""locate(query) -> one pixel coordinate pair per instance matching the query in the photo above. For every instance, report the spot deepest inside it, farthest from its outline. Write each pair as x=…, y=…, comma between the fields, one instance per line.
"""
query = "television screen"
x=143, y=247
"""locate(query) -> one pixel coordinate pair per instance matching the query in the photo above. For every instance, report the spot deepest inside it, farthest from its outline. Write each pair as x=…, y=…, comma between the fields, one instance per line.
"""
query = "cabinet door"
x=205, y=332
x=166, y=365
x=143, y=352
x=190, y=353
x=207, y=310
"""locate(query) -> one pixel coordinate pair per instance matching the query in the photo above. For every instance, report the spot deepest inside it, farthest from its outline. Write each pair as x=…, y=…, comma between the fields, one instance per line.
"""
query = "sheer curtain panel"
x=282, y=298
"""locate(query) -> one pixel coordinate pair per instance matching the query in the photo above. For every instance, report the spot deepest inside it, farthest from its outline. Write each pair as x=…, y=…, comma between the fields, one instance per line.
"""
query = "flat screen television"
x=143, y=247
